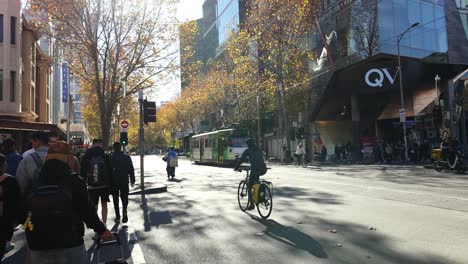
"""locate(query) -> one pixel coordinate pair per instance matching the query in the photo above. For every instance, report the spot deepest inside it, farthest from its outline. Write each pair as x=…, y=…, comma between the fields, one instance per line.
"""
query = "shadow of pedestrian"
x=291, y=237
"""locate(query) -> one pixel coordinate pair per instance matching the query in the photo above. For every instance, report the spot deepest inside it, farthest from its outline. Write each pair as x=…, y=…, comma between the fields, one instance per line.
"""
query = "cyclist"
x=257, y=167
x=300, y=152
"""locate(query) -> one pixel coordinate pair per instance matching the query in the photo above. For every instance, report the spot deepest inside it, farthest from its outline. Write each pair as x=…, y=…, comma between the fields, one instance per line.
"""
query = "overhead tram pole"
x=402, y=108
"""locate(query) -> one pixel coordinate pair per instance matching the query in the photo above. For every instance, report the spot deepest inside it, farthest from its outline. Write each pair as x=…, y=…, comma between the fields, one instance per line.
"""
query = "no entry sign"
x=124, y=124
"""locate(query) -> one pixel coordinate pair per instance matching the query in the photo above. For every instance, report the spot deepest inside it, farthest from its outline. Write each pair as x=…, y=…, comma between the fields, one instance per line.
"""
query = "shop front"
x=363, y=105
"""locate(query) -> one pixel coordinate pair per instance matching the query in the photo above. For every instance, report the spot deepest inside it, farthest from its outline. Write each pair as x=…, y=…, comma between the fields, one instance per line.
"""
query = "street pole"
x=402, y=108
x=69, y=115
x=258, y=122
x=124, y=86
x=280, y=122
x=142, y=151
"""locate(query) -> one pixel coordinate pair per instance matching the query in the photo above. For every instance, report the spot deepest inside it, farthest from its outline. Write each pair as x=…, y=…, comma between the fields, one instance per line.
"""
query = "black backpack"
x=51, y=221
x=96, y=171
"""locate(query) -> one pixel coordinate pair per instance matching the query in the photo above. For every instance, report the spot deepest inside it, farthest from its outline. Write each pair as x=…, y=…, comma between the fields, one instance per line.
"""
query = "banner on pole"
x=64, y=82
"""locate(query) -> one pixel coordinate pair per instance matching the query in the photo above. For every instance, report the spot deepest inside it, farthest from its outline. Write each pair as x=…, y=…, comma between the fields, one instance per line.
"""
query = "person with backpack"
x=9, y=205
x=172, y=162
x=31, y=164
x=122, y=173
x=56, y=210
x=95, y=168
x=257, y=167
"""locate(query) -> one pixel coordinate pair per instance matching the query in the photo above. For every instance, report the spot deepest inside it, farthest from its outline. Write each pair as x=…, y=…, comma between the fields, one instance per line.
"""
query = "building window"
x=1, y=85
x=13, y=30
x=1, y=28
x=12, y=85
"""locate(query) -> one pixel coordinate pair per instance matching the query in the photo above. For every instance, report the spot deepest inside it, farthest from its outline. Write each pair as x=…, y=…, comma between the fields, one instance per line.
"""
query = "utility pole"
x=124, y=87
x=260, y=144
x=141, y=139
x=280, y=122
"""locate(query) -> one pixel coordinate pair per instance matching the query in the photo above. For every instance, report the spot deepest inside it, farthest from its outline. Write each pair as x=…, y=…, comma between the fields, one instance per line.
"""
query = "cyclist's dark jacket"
x=257, y=164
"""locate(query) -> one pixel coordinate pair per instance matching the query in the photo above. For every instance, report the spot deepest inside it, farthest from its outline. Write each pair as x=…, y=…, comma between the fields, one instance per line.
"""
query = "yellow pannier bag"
x=255, y=192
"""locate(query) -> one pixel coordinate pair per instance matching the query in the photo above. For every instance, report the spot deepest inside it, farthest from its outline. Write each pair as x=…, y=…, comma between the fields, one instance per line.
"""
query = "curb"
x=153, y=190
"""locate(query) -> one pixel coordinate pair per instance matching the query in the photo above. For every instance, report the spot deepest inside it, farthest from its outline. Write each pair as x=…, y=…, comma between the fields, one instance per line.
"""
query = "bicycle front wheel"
x=265, y=207
x=243, y=196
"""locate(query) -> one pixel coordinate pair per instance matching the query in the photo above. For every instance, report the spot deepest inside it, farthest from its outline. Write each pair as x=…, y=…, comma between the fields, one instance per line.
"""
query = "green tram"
x=217, y=147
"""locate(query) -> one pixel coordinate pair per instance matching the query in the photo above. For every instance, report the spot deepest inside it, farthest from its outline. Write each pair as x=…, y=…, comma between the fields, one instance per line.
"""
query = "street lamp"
x=402, y=109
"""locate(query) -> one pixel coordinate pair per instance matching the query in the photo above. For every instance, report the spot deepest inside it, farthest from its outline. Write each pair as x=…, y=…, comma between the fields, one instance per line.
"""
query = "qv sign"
x=376, y=77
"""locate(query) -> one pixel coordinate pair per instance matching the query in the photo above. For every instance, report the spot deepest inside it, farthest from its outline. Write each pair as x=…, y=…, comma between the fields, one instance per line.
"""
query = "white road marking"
x=135, y=250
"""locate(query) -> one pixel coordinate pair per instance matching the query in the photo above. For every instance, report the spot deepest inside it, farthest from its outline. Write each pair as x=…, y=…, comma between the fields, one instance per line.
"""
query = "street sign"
x=402, y=115
x=124, y=124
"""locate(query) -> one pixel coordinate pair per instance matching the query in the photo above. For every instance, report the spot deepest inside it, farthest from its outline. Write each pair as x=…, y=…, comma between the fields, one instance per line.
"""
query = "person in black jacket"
x=9, y=204
x=45, y=232
x=95, y=168
x=122, y=173
x=257, y=166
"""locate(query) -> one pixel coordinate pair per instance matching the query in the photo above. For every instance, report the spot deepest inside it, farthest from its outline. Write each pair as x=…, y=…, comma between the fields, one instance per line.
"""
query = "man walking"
x=122, y=173
x=95, y=168
x=31, y=164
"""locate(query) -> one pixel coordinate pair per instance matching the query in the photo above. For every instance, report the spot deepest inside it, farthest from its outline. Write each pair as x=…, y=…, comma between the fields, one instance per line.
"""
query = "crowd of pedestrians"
x=51, y=193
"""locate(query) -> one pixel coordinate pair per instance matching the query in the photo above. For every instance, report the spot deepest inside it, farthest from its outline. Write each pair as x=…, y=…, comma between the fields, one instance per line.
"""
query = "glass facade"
x=228, y=18
x=429, y=38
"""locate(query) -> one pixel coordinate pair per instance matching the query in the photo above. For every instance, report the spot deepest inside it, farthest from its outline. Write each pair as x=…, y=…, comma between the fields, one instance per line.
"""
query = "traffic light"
x=149, y=111
x=300, y=133
x=124, y=138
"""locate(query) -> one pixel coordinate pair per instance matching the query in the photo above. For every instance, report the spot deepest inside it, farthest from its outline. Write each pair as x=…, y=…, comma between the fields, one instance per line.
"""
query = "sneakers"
x=117, y=219
x=9, y=246
x=251, y=207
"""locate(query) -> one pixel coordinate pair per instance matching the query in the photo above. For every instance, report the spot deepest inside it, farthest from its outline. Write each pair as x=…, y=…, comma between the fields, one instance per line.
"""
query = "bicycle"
x=264, y=198
x=300, y=161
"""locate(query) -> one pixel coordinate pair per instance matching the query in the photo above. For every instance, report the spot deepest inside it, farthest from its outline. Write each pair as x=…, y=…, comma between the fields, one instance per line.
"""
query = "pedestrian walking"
x=324, y=153
x=9, y=205
x=12, y=157
x=95, y=168
x=123, y=173
x=172, y=162
x=56, y=210
x=31, y=164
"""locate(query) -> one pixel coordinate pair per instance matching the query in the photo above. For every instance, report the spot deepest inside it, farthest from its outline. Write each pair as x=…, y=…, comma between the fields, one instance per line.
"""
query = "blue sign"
x=64, y=83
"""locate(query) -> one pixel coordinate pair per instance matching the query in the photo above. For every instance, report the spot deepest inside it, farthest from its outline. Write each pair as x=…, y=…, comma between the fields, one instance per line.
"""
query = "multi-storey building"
x=356, y=78
x=25, y=84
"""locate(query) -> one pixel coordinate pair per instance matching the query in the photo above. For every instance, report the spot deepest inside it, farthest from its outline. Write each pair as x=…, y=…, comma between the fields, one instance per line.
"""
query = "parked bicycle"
x=262, y=194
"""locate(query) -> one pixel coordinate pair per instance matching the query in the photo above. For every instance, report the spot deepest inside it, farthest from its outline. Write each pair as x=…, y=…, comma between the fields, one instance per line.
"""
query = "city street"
x=321, y=214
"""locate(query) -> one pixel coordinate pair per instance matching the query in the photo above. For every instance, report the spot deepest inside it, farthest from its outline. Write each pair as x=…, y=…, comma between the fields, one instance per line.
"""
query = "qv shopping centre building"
x=356, y=76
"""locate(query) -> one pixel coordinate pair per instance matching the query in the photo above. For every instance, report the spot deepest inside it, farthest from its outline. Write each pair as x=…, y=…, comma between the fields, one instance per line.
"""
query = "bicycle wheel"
x=264, y=208
x=243, y=196
x=304, y=163
x=296, y=162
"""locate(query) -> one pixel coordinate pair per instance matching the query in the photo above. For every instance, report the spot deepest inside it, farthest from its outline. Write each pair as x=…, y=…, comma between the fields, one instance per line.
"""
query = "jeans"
x=75, y=255
x=123, y=190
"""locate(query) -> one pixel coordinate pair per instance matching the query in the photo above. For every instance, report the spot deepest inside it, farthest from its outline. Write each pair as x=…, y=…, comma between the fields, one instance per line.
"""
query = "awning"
x=392, y=109
x=15, y=125
x=423, y=98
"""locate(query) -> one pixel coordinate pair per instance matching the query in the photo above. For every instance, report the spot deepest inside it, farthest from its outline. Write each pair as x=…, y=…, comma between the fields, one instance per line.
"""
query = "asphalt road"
x=381, y=214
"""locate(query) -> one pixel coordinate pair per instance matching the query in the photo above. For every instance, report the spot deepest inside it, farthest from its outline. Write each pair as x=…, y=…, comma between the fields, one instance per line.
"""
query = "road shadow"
x=160, y=218
x=291, y=237
x=309, y=195
x=363, y=245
